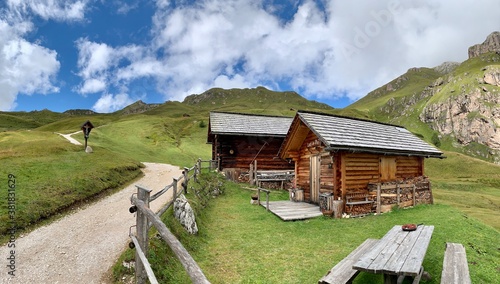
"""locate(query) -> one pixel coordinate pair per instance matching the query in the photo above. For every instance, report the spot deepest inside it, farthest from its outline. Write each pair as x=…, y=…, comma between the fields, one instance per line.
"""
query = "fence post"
x=250, y=178
x=199, y=166
x=186, y=179
x=174, y=186
x=142, y=235
x=195, y=175
x=379, y=202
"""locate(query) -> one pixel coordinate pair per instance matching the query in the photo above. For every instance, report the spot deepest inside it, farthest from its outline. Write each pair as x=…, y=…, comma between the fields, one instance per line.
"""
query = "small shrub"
x=202, y=124
x=435, y=140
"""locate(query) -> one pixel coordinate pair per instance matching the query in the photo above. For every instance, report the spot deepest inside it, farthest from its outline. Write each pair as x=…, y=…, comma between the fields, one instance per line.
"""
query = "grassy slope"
x=469, y=184
x=52, y=174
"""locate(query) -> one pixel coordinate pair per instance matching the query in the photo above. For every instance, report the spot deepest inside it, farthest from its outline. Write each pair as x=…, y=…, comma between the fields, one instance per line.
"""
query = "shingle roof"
x=348, y=133
x=249, y=124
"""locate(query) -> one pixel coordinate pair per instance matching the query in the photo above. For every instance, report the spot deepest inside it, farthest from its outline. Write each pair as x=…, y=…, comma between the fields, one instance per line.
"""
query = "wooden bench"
x=343, y=272
x=455, y=267
x=357, y=198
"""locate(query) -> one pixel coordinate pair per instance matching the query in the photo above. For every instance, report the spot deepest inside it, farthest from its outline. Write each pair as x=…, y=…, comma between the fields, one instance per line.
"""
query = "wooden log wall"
x=359, y=169
x=409, y=167
x=312, y=147
x=239, y=151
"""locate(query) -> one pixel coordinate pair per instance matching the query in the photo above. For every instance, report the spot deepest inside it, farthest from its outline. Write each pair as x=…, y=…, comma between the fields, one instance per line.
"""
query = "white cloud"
x=336, y=49
x=59, y=10
x=24, y=67
x=110, y=103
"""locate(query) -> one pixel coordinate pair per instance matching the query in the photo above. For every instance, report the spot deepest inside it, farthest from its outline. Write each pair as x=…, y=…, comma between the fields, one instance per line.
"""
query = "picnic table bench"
x=343, y=271
x=398, y=254
x=455, y=267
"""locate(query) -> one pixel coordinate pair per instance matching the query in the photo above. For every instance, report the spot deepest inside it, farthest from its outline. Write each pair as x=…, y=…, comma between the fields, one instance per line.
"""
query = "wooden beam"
x=190, y=265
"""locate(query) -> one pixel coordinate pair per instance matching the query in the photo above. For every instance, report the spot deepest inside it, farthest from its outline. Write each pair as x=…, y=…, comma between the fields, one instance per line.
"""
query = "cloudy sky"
x=106, y=54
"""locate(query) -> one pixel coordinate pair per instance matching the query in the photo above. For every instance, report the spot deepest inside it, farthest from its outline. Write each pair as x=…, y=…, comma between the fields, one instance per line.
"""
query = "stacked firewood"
x=389, y=192
x=359, y=210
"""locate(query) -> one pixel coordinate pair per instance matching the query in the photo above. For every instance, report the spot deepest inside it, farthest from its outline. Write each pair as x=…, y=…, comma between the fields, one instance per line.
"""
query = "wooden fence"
x=146, y=218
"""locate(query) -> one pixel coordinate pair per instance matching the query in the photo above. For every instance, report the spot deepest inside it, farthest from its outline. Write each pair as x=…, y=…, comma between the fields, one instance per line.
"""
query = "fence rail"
x=146, y=219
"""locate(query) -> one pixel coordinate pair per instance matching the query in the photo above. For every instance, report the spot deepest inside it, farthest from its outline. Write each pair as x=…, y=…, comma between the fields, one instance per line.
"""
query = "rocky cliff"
x=491, y=44
x=455, y=105
x=466, y=107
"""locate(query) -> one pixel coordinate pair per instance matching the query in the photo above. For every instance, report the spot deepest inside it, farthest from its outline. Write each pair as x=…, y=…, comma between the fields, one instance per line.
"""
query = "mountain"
x=137, y=107
x=256, y=100
x=455, y=105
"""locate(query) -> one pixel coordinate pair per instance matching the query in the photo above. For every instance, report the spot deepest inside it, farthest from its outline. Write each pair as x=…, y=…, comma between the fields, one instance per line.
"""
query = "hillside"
x=454, y=106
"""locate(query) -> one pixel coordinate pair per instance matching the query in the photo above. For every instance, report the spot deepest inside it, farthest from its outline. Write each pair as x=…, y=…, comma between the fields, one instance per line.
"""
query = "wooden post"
x=379, y=202
x=174, y=185
x=398, y=193
x=142, y=235
x=258, y=195
x=250, y=174
x=186, y=179
x=190, y=265
x=267, y=200
x=195, y=174
x=199, y=166
x=414, y=197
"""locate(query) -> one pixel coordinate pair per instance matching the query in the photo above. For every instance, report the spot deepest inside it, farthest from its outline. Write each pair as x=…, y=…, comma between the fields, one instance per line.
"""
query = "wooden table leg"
x=390, y=279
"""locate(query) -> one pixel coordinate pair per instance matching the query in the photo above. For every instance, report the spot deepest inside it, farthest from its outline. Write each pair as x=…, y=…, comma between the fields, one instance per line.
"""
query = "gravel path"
x=71, y=139
x=81, y=247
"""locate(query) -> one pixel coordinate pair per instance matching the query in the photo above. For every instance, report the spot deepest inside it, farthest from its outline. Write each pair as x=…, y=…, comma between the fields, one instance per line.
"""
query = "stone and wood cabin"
x=339, y=155
x=240, y=139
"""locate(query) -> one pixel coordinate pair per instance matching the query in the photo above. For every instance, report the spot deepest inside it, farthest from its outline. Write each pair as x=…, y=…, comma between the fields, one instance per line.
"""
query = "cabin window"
x=387, y=168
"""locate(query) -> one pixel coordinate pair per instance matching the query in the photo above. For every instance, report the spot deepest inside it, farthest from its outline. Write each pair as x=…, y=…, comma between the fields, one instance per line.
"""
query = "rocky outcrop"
x=491, y=44
x=468, y=117
x=446, y=67
x=185, y=214
x=492, y=75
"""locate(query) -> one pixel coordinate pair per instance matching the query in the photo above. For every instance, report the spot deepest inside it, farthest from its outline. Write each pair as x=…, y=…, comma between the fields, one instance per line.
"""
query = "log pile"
x=359, y=210
x=401, y=193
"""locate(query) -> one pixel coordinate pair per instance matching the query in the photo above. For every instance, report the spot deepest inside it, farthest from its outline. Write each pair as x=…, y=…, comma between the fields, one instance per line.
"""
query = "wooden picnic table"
x=398, y=254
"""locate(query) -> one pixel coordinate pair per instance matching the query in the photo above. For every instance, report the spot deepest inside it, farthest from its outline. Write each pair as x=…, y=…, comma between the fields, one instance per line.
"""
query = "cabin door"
x=315, y=175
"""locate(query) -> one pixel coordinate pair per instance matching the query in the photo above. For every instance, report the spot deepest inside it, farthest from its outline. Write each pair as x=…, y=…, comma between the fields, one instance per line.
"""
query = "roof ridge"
x=251, y=114
x=348, y=117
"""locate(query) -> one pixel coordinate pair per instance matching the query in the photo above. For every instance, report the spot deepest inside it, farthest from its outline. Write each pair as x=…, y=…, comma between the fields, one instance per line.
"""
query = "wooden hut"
x=240, y=139
x=340, y=155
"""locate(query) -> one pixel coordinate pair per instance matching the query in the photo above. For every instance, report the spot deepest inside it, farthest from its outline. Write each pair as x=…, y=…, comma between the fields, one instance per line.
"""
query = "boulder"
x=89, y=149
x=185, y=214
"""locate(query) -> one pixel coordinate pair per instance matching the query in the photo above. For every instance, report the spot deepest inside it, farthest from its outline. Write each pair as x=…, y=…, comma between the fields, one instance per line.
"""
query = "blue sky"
x=104, y=55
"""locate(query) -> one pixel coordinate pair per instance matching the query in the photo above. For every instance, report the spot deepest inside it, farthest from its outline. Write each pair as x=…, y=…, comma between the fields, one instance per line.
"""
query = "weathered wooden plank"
x=455, y=267
x=368, y=258
x=190, y=265
x=416, y=257
x=391, y=244
x=343, y=271
x=405, y=247
x=287, y=210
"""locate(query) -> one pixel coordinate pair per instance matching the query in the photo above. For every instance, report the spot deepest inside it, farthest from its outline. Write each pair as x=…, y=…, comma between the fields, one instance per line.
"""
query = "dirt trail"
x=81, y=247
